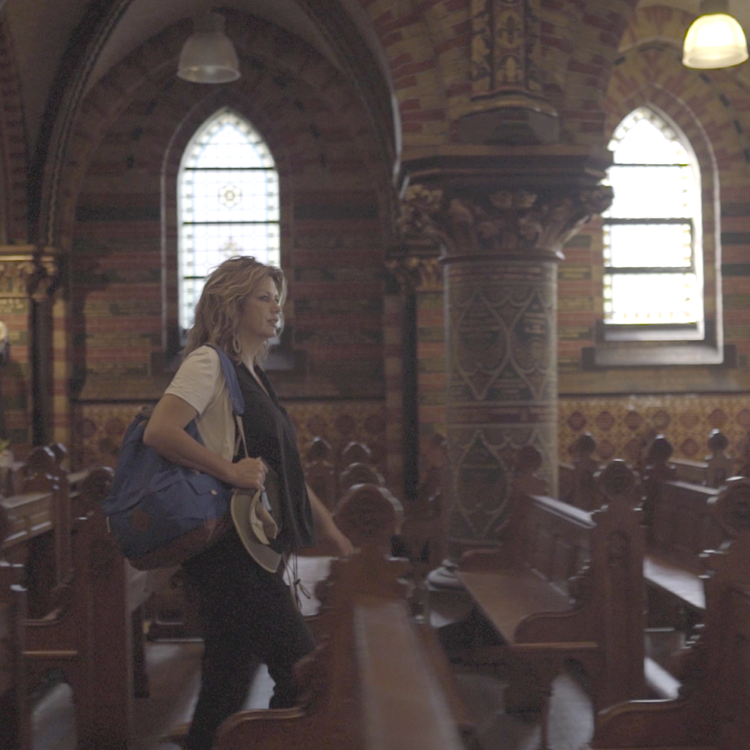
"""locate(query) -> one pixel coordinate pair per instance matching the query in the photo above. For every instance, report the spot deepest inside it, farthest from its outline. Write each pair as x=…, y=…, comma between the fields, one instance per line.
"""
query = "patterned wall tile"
x=99, y=428
x=622, y=425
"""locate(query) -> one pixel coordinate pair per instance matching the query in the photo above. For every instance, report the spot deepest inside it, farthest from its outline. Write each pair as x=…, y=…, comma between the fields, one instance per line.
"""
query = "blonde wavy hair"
x=219, y=310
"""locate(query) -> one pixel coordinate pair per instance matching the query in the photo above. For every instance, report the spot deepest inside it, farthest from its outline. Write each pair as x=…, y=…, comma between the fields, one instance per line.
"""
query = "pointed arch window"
x=228, y=203
x=653, y=280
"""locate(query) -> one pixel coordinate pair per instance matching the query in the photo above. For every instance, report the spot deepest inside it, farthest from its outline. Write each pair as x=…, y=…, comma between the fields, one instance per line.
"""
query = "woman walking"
x=246, y=609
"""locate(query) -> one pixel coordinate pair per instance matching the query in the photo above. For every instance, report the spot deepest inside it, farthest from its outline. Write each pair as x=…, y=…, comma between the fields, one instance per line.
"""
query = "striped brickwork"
x=124, y=242
x=711, y=108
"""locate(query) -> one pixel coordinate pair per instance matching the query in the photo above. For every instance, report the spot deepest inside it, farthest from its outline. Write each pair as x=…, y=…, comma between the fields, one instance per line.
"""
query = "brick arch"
x=432, y=76
x=359, y=65
x=697, y=102
x=703, y=114
x=595, y=33
x=13, y=170
x=130, y=149
x=287, y=149
x=270, y=55
x=410, y=37
x=662, y=30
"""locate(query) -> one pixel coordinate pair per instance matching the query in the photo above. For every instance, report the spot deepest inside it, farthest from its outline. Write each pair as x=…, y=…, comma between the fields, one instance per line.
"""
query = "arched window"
x=228, y=203
x=653, y=280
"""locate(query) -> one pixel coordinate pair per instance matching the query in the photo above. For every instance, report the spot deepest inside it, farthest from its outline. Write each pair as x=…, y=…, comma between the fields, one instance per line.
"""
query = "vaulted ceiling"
x=44, y=34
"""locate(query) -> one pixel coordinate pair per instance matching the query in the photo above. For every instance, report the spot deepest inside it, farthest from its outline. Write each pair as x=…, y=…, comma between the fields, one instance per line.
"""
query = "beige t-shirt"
x=200, y=381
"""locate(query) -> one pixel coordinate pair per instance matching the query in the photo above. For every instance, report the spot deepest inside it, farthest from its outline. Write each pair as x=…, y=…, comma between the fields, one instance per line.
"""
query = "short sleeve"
x=197, y=378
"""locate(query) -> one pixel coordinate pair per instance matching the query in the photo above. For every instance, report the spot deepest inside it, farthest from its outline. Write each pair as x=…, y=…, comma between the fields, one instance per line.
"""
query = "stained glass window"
x=228, y=203
x=652, y=248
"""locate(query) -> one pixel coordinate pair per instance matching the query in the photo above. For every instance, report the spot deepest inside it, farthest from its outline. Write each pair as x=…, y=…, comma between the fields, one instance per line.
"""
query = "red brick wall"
x=333, y=223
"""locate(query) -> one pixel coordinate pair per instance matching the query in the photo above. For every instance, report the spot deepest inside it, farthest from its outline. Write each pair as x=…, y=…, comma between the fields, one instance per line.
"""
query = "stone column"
x=502, y=224
x=418, y=271
x=29, y=277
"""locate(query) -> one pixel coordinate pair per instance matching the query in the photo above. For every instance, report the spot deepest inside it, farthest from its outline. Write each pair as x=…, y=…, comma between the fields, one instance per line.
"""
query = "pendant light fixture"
x=715, y=39
x=208, y=56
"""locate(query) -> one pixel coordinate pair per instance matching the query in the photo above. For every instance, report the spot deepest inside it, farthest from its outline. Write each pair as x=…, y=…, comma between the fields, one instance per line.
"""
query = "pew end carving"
x=349, y=694
x=577, y=478
x=711, y=710
x=15, y=712
x=565, y=585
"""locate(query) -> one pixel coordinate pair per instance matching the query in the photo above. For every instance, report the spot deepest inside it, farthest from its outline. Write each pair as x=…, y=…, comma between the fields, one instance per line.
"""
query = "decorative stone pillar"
x=502, y=226
x=418, y=271
x=507, y=103
x=29, y=277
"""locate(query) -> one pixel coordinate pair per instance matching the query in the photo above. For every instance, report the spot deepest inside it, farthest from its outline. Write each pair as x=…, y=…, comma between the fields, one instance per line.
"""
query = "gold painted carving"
x=419, y=218
x=417, y=273
x=27, y=271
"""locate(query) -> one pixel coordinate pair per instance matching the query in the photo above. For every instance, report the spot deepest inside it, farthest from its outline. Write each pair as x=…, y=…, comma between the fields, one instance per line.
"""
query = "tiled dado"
x=622, y=425
x=99, y=428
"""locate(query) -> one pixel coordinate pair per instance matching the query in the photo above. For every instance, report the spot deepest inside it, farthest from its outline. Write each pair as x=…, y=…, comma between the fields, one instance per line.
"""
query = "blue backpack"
x=161, y=513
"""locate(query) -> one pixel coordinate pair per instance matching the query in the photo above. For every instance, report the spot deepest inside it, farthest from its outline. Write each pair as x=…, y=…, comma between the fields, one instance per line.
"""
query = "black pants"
x=247, y=614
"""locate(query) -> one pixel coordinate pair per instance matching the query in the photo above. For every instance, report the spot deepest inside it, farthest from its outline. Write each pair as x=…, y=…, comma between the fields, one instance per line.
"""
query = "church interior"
x=514, y=234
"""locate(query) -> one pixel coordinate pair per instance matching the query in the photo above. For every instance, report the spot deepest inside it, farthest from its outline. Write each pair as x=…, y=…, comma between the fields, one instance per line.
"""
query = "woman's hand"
x=327, y=526
x=343, y=544
x=249, y=473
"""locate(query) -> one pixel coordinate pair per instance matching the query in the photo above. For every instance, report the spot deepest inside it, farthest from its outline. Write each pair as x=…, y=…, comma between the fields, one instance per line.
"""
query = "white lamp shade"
x=714, y=41
x=208, y=56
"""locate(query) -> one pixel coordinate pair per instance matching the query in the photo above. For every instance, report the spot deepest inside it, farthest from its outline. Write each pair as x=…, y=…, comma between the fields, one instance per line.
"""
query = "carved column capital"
x=509, y=222
x=28, y=271
x=417, y=273
x=419, y=221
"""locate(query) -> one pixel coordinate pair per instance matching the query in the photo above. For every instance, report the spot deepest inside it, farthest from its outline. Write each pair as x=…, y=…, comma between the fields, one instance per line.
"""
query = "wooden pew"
x=423, y=532
x=712, y=711
x=15, y=714
x=679, y=527
x=566, y=585
x=370, y=685
x=320, y=472
x=86, y=620
x=714, y=470
x=576, y=479
x=359, y=473
x=115, y=594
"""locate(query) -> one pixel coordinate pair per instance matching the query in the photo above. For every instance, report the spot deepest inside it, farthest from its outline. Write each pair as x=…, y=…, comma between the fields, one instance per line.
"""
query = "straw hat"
x=254, y=513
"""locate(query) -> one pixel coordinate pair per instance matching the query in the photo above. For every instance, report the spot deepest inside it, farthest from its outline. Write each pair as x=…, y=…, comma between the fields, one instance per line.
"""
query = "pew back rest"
x=682, y=525
x=554, y=540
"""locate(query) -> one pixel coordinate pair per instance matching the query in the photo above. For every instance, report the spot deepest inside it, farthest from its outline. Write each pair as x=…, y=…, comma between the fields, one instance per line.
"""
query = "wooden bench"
x=576, y=479
x=85, y=616
x=15, y=716
x=714, y=470
x=712, y=711
x=679, y=527
x=116, y=594
x=566, y=585
x=369, y=685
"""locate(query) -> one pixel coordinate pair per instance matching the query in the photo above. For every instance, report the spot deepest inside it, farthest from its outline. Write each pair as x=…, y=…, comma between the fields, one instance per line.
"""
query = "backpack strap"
x=233, y=385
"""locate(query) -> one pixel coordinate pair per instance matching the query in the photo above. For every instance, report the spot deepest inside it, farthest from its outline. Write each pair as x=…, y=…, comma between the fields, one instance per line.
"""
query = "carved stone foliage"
x=417, y=273
x=504, y=222
x=419, y=219
x=27, y=272
x=505, y=47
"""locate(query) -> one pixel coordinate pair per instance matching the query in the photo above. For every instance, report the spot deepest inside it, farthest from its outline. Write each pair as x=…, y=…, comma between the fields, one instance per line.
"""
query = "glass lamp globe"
x=208, y=56
x=715, y=40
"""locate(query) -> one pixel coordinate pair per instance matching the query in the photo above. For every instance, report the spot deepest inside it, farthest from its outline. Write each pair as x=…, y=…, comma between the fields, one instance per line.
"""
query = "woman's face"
x=262, y=312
